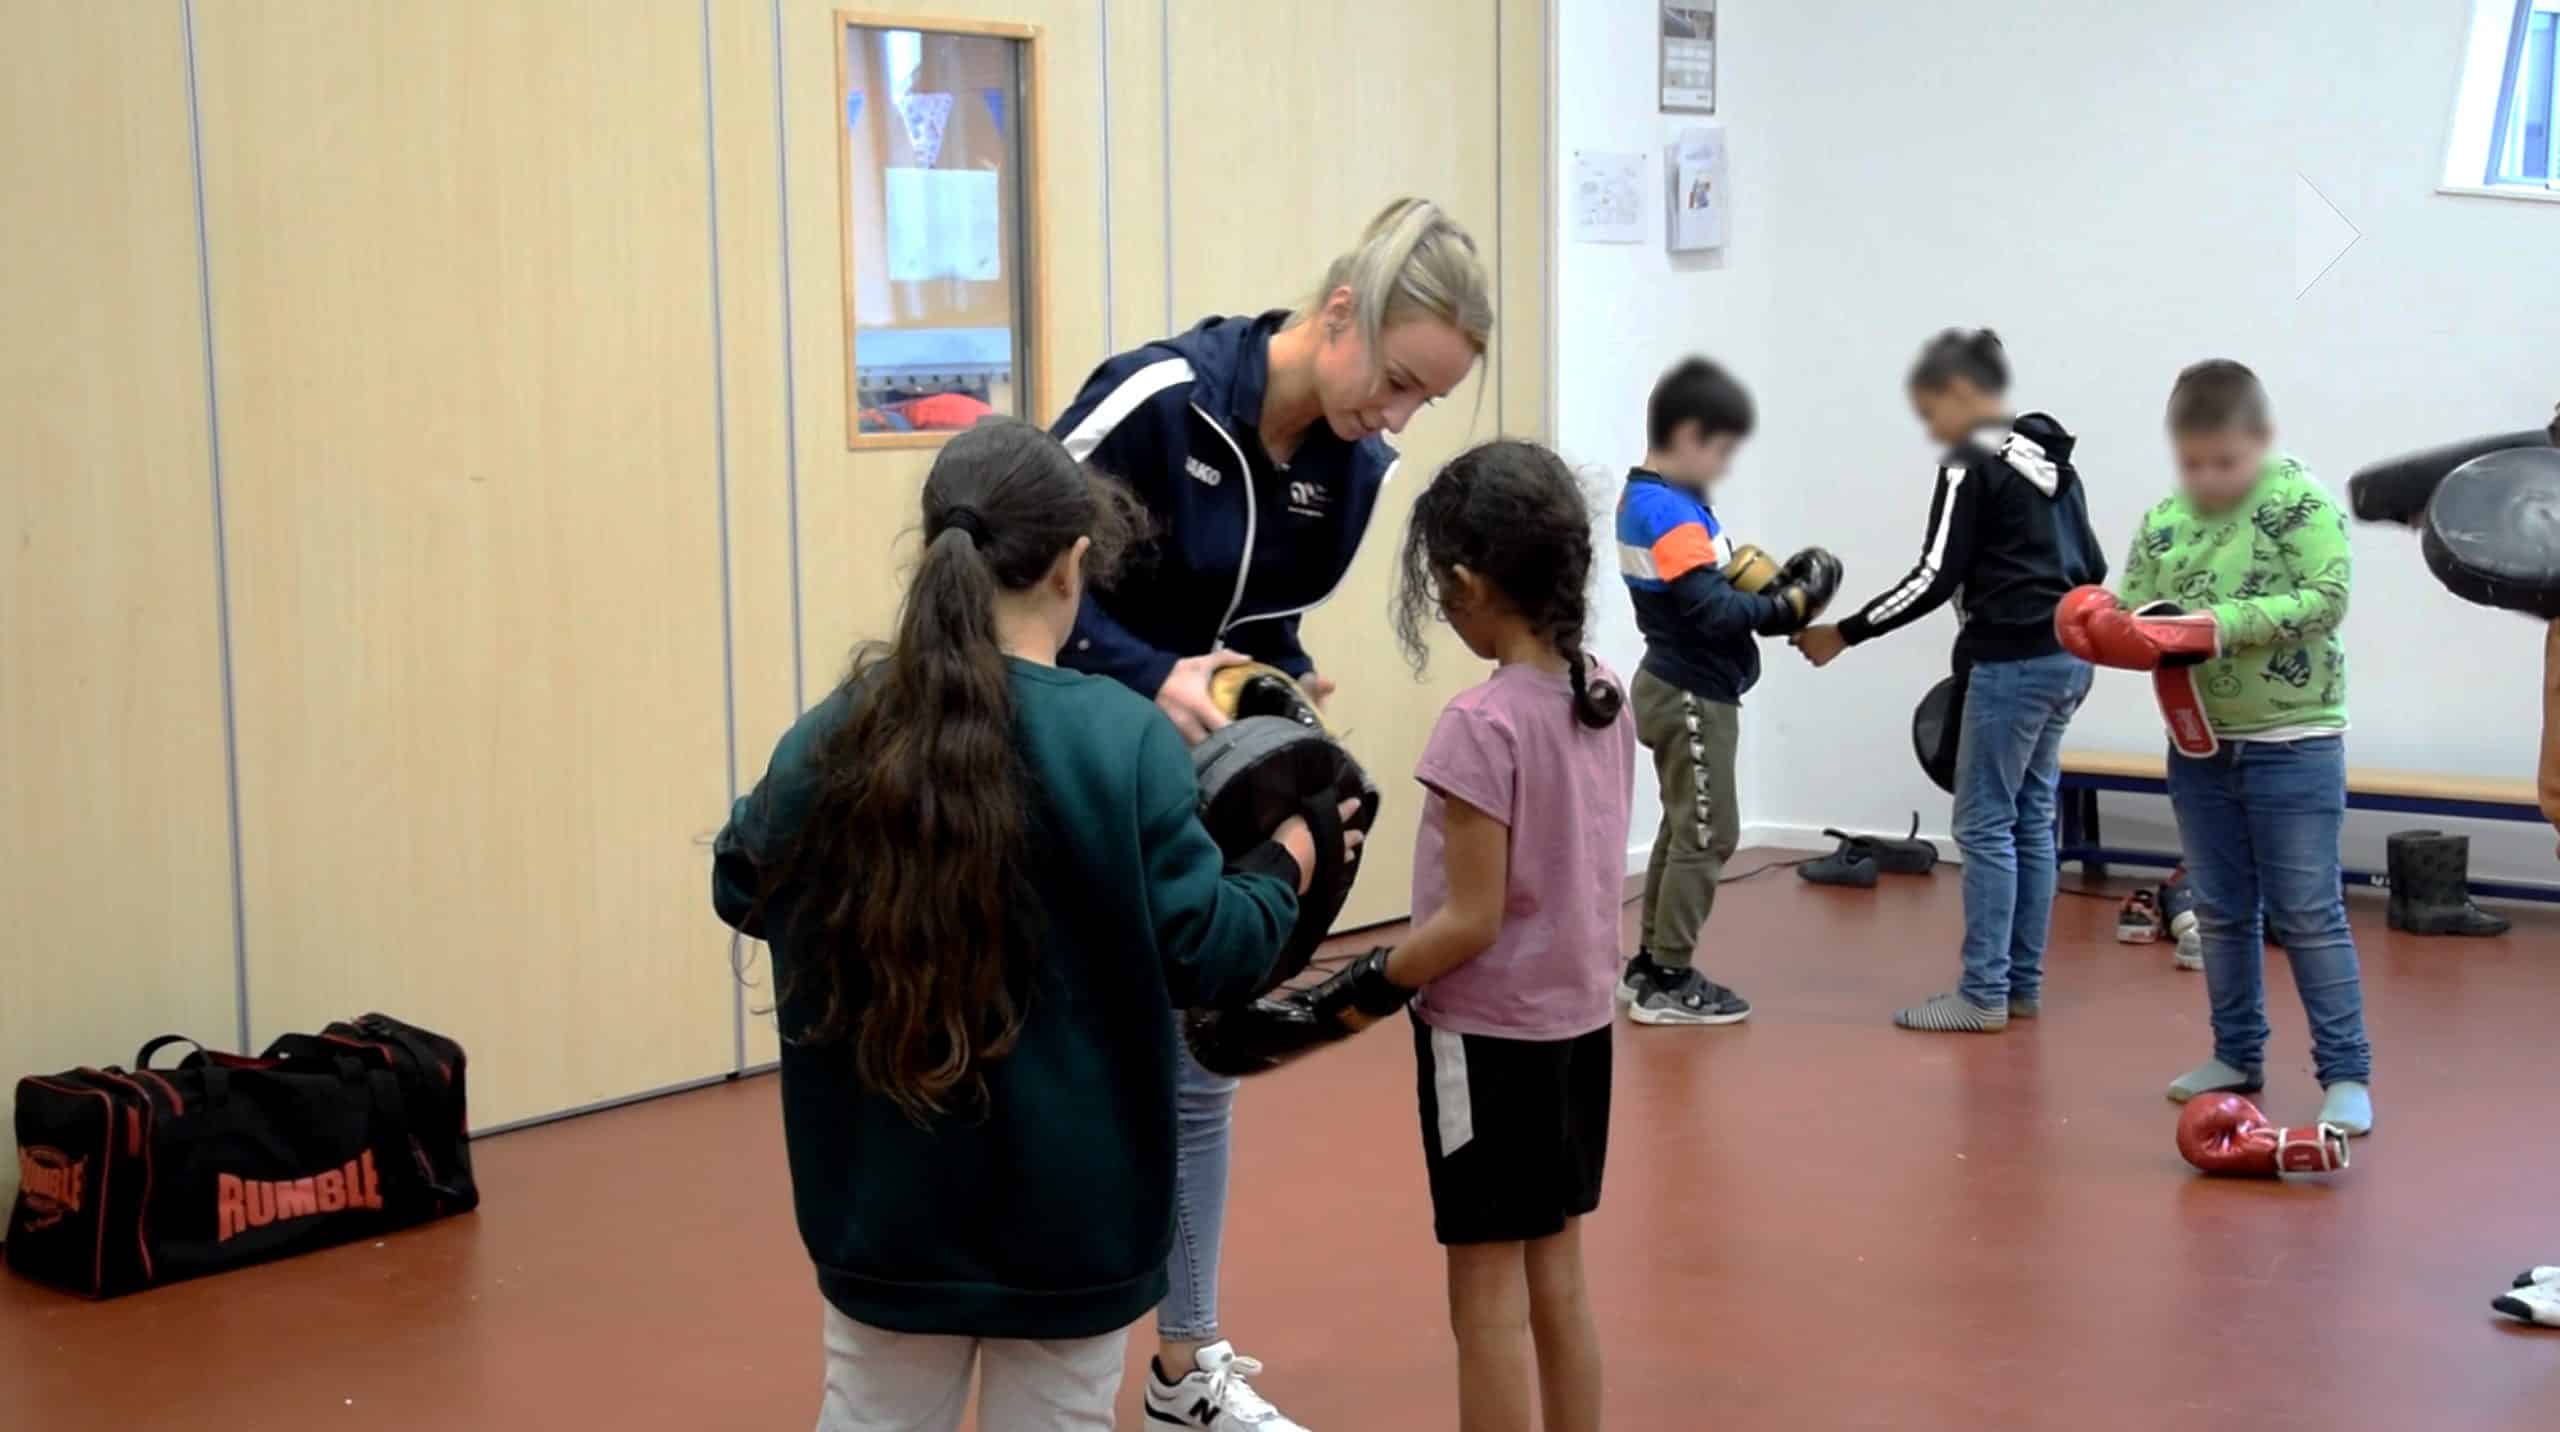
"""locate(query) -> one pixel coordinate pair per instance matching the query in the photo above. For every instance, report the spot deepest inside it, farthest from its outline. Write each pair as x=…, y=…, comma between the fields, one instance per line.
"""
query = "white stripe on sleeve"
x=1932, y=558
x=1123, y=400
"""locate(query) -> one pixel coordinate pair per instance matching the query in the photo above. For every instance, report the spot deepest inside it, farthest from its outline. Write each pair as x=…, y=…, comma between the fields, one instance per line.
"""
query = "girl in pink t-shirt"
x=1517, y=884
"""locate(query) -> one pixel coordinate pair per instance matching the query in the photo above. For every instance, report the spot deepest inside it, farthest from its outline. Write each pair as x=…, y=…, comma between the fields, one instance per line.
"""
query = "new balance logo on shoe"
x=1208, y=476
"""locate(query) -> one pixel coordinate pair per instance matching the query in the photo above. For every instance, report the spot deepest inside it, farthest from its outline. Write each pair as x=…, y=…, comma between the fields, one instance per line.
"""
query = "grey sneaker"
x=2027, y=1008
x=1689, y=998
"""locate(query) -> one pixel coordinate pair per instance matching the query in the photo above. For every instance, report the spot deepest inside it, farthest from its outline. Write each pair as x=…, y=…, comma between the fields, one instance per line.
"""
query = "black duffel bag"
x=128, y=1179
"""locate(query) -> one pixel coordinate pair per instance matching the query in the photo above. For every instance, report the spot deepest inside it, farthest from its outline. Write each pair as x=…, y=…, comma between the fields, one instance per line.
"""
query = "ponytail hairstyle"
x=1972, y=356
x=918, y=916
x=1413, y=261
x=1511, y=513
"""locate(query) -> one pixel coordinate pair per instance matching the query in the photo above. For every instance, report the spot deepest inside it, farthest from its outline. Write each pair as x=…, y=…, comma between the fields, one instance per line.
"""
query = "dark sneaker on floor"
x=1689, y=998
x=1641, y=977
x=1852, y=862
x=2138, y=920
x=2027, y=1008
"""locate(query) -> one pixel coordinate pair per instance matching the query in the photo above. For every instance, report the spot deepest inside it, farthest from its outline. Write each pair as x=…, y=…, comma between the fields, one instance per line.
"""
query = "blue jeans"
x=1203, y=1113
x=2008, y=764
x=2259, y=821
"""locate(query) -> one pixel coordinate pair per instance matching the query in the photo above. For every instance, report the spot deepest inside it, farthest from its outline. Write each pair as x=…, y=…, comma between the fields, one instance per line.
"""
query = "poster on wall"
x=1699, y=195
x=1689, y=56
x=1608, y=197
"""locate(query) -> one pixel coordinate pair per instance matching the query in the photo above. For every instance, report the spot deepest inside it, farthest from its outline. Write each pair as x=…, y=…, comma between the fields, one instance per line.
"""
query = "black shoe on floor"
x=1852, y=863
x=1688, y=997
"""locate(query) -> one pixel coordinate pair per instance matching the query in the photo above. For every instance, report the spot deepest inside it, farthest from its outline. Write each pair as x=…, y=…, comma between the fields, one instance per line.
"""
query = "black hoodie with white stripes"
x=2008, y=535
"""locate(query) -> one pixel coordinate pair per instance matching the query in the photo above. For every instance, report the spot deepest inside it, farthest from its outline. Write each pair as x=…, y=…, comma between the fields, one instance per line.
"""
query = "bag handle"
x=142, y=1056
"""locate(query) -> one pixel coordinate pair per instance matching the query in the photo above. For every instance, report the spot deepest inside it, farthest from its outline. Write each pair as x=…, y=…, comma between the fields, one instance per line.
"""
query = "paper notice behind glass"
x=1700, y=195
x=944, y=223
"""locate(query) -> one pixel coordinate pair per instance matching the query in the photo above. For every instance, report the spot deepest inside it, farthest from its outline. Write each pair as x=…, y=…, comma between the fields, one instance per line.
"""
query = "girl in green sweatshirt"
x=2251, y=538
x=986, y=885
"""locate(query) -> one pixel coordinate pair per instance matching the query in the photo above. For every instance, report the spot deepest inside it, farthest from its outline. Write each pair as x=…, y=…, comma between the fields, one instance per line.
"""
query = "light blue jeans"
x=2259, y=821
x=1204, y=1113
x=2008, y=766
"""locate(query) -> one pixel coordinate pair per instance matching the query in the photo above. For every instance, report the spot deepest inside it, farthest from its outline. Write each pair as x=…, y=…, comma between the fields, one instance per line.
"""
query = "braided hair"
x=1510, y=512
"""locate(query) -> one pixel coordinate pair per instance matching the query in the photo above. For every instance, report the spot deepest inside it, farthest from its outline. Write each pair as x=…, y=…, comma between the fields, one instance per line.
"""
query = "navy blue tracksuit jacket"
x=1243, y=546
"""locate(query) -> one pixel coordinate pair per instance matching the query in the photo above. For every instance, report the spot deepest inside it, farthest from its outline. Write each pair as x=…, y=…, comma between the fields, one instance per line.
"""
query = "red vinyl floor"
x=1813, y=1220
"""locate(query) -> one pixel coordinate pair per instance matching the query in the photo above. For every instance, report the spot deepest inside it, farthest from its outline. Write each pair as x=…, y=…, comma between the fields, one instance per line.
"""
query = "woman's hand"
x=1300, y=842
x=1821, y=645
x=1185, y=694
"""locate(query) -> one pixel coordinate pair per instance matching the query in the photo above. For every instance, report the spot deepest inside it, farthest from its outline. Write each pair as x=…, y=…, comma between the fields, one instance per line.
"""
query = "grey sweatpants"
x=1692, y=740
x=880, y=1381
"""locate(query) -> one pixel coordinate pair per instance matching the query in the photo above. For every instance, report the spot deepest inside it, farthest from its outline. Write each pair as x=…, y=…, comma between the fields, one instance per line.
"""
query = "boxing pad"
x=2225, y=1134
x=2398, y=489
x=1258, y=771
x=1259, y=1037
x=1936, y=724
x=2492, y=531
x=1807, y=583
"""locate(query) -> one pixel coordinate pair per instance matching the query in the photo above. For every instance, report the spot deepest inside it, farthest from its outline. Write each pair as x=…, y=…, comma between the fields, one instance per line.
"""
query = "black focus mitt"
x=1279, y=1027
x=1813, y=577
x=2398, y=489
x=1257, y=772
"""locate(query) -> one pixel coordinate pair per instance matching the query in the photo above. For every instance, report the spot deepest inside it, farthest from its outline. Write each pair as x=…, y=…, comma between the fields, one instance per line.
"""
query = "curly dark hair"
x=1510, y=512
x=919, y=918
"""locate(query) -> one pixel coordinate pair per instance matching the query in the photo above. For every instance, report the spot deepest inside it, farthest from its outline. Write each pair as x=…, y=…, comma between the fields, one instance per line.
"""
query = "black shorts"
x=1514, y=1131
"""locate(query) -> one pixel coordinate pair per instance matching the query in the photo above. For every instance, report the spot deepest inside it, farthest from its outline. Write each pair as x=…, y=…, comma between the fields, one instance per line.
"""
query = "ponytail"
x=1595, y=704
x=919, y=918
x=1413, y=261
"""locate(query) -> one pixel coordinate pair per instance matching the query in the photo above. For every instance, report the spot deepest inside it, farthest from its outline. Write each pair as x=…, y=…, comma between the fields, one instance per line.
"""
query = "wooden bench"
x=2086, y=773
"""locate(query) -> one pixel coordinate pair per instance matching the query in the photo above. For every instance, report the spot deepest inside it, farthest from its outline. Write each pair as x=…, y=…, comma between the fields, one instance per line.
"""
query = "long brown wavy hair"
x=914, y=931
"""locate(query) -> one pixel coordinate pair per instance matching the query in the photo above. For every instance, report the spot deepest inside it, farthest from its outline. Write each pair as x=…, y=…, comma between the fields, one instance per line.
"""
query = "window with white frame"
x=2506, y=126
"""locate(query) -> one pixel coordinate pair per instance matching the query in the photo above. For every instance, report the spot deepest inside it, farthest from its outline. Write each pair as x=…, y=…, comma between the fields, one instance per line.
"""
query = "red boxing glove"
x=2094, y=626
x=2224, y=1133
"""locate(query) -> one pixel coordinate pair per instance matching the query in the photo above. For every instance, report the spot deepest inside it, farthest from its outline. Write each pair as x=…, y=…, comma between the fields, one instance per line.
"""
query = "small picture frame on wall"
x=938, y=200
x=1688, y=30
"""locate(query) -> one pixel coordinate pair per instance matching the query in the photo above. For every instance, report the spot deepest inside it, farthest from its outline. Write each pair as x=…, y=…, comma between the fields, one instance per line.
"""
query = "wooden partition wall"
x=427, y=535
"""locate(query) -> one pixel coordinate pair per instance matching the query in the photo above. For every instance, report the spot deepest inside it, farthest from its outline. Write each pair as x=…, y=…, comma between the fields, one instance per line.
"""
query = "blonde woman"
x=1258, y=445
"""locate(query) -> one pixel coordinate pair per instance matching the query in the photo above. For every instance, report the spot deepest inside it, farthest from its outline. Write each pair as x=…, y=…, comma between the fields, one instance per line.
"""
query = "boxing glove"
x=2225, y=1134
x=1750, y=569
x=2094, y=626
x=1280, y=1027
x=1808, y=582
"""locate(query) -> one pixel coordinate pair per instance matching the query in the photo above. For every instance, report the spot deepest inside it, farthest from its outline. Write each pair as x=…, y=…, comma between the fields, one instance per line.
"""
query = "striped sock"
x=1952, y=1013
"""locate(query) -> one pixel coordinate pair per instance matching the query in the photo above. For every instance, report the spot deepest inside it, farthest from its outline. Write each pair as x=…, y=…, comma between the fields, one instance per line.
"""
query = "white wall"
x=2111, y=187
x=1624, y=312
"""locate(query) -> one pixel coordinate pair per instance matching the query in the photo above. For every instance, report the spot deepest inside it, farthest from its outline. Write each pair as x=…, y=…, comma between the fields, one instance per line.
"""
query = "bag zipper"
x=138, y=1139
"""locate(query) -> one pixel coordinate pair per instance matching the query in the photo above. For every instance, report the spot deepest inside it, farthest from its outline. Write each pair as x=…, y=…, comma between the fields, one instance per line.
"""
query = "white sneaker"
x=2191, y=948
x=1216, y=1395
x=2537, y=1303
x=2539, y=1273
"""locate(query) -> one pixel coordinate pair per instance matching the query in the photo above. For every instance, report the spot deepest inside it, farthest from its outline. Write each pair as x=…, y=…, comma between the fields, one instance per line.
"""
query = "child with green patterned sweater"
x=2253, y=552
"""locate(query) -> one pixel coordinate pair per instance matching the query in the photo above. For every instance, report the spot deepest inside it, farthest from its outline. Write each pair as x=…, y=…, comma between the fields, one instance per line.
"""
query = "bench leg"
x=2090, y=832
